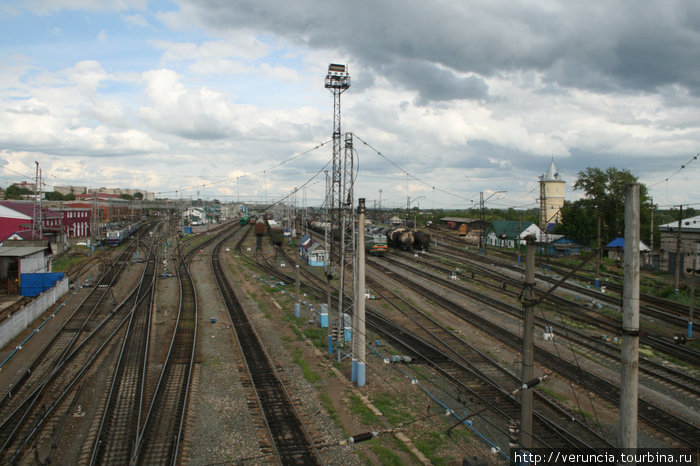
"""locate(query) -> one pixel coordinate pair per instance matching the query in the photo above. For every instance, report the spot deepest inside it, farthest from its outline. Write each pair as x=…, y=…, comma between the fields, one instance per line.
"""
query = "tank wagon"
x=400, y=238
x=421, y=240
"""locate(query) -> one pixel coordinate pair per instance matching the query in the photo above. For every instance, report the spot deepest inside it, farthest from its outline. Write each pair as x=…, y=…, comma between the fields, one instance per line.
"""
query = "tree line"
x=14, y=192
x=604, y=197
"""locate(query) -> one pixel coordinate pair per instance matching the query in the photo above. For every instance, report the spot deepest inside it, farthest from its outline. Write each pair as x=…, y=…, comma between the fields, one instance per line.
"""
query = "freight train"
x=275, y=232
x=403, y=238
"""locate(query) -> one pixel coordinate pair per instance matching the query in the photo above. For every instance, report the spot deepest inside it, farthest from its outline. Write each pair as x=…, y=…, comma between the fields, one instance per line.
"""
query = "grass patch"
x=385, y=454
x=364, y=414
x=551, y=393
x=318, y=336
x=66, y=262
x=309, y=374
x=392, y=408
x=430, y=444
x=328, y=406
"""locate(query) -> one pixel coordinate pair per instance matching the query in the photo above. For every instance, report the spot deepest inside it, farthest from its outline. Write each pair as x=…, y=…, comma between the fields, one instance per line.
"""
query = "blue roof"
x=616, y=243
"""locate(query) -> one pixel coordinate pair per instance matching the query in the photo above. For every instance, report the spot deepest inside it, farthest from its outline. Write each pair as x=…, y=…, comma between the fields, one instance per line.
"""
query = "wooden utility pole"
x=528, y=343
x=629, y=383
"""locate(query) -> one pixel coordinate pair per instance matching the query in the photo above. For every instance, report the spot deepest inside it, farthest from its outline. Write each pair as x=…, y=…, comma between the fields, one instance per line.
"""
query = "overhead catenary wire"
x=682, y=167
x=231, y=179
x=432, y=186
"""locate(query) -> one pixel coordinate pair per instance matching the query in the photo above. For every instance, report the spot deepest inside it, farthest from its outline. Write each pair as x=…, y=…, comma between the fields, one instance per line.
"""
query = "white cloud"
x=136, y=20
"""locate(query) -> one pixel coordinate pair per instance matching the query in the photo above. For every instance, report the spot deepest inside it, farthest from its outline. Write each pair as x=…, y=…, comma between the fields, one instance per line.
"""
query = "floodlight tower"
x=337, y=81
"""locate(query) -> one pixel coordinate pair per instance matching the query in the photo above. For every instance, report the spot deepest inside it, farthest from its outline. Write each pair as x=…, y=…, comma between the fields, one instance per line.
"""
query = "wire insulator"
x=362, y=437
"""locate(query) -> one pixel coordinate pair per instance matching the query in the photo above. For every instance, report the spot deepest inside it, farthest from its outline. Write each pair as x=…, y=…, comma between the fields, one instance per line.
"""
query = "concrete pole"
x=359, y=335
x=677, y=275
x=651, y=238
x=297, y=297
x=597, y=256
x=528, y=343
x=694, y=270
x=629, y=383
x=692, y=303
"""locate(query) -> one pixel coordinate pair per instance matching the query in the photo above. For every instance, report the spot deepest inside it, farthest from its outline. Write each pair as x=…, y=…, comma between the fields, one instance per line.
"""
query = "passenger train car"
x=117, y=236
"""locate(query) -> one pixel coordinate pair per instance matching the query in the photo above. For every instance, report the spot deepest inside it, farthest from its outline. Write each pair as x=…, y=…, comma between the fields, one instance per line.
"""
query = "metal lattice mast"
x=347, y=237
x=337, y=81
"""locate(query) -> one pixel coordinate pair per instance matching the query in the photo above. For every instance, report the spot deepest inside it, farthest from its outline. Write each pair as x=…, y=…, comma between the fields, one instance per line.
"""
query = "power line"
x=695, y=157
x=406, y=171
x=229, y=179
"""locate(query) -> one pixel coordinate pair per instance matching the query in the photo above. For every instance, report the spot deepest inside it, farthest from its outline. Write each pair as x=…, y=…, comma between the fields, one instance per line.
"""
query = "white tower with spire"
x=551, y=197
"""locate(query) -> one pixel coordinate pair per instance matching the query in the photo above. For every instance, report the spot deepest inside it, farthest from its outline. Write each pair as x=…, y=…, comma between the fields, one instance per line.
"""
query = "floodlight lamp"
x=337, y=77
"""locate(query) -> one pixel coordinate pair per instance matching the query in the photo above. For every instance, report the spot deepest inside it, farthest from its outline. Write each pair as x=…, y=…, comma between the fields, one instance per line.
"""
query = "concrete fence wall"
x=20, y=320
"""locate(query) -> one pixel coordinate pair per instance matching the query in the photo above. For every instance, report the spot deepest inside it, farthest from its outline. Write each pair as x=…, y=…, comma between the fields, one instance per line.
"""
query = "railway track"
x=160, y=436
x=42, y=395
x=683, y=381
x=655, y=416
x=471, y=373
x=115, y=439
x=482, y=379
x=652, y=307
x=291, y=441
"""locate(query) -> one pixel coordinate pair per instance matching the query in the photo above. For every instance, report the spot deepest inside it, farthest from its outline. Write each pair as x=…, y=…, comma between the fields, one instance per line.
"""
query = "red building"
x=12, y=221
x=72, y=221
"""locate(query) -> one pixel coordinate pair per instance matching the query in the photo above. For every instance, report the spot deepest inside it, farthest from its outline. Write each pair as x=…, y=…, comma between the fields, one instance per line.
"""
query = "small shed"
x=19, y=257
x=616, y=248
x=562, y=246
x=313, y=252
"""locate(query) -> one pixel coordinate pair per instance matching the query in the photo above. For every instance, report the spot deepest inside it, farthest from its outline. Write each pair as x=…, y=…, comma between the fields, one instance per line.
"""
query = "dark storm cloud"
x=603, y=46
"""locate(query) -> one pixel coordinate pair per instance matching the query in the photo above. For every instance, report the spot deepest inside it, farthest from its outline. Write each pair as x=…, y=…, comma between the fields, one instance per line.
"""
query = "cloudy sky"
x=226, y=99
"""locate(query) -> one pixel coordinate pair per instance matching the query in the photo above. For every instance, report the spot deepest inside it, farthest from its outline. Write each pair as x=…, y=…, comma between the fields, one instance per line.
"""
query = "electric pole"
x=677, y=276
x=528, y=344
x=629, y=378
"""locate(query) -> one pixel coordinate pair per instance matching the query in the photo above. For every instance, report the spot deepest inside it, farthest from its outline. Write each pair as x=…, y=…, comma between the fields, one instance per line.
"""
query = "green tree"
x=13, y=192
x=579, y=223
x=604, y=196
x=138, y=195
x=126, y=196
x=54, y=196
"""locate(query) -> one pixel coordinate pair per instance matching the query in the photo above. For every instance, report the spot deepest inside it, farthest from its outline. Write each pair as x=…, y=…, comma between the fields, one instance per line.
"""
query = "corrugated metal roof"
x=19, y=251
x=458, y=219
x=691, y=224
